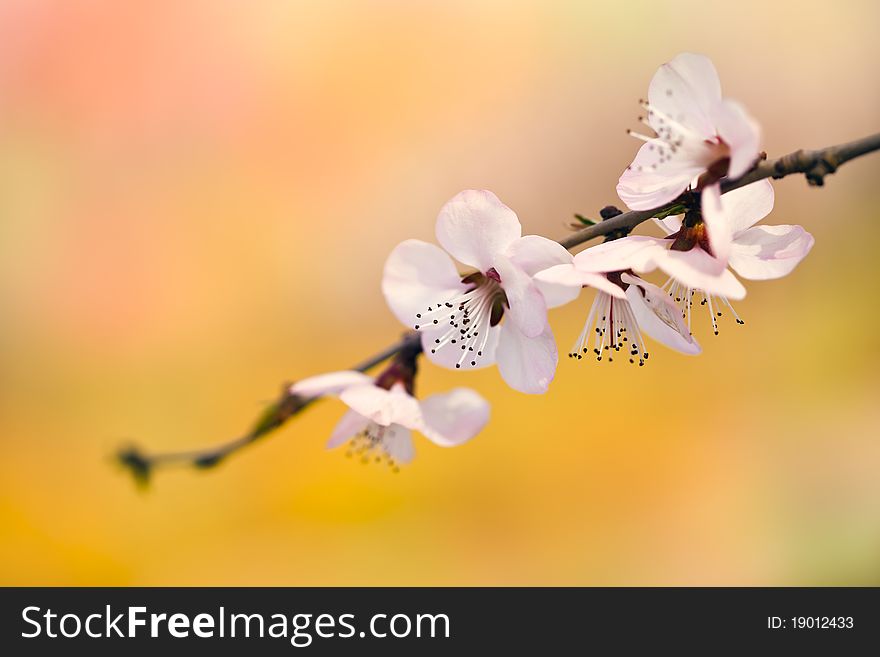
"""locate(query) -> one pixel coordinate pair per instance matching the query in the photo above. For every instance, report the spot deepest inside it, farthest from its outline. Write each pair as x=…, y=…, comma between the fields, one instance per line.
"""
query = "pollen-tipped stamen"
x=672, y=139
x=468, y=317
x=611, y=327
x=683, y=297
x=370, y=446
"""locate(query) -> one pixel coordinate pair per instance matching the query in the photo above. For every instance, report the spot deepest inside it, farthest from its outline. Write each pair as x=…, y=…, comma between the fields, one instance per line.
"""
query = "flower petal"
x=532, y=254
x=740, y=132
x=418, y=275
x=475, y=226
x=572, y=278
x=527, y=308
x=697, y=269
x=648, y=183
x=670, y=224
x=351, y=424
x=718, y=226
x=686, y=89
x=449, y=355
x=384, y=407
x=526, y=364
x=746, y=206
x=632, y=252
x=398, y=444
x=454, y=417
x=331, y=383
x=658, y=316
x=767, y=252
x=559, y=295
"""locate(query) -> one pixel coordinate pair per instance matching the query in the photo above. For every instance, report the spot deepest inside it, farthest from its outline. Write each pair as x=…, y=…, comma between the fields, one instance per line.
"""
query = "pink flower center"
x=691, y=236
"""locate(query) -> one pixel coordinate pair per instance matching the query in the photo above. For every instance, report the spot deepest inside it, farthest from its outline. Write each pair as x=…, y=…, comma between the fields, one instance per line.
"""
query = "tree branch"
x=142, y=465
x=815, y=165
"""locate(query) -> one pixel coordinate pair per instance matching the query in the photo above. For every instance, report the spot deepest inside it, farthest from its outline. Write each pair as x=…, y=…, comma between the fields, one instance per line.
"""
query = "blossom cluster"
x=496, y=311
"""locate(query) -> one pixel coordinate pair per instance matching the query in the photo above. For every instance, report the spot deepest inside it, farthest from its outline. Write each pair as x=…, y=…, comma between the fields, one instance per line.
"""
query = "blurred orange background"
x=197, y=199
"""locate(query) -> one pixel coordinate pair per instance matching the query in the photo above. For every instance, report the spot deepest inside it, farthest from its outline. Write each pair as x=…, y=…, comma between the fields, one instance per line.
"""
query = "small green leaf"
x=584, y=220
x=675, y=209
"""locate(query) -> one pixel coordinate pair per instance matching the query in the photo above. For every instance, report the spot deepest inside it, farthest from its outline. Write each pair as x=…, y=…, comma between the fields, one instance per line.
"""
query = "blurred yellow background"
x=196, y=199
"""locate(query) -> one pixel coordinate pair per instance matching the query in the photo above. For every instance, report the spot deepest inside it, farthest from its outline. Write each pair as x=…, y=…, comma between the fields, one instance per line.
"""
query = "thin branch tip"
x=138, y=465
x=141, y=465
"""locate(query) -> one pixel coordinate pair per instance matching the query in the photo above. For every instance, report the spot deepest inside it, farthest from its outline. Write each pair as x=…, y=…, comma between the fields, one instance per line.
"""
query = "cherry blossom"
x=700, y=138
x=624, y=307
x=381, y=419
x=460, y=317
x=757, y=252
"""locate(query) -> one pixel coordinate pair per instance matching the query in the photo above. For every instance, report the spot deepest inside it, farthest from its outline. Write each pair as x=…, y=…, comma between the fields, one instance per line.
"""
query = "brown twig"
x=142, y=464
x=815, y=165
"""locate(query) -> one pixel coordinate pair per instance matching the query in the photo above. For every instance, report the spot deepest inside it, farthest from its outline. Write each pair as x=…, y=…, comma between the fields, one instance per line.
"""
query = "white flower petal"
x=740, y=132
x=746, y=206
x=670, y=224
x=632, y=252
x=527, y=309
x=558, y=295
x=697, y=269
x=454, y=417
x=384, y=407
x=572, y=278
x=418, y=275
x=475, y=226
x=686, y=89
x=351, y=424
x=526, y=364
x=767, y=252
x=718, y=227
x=532, y=254
x=658, y=316
x=648, y=183
x=398, y=444
x=329, y=384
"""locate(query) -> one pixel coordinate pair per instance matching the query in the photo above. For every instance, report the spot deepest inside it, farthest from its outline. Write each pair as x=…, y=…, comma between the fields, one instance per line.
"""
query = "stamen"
x=675, y=140
x=467, y=320
x=683, y=297
x=664, y=119
x=736, y=317
x=371, y=446
x=639, y=135
x=611, y=326
x=708, y=298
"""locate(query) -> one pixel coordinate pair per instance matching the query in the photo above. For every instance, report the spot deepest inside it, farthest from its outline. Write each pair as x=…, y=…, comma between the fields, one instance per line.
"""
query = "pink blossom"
x=624, y=307
x=460, y=317
x=700, y=138
x=380, y=421
x=756, y=252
